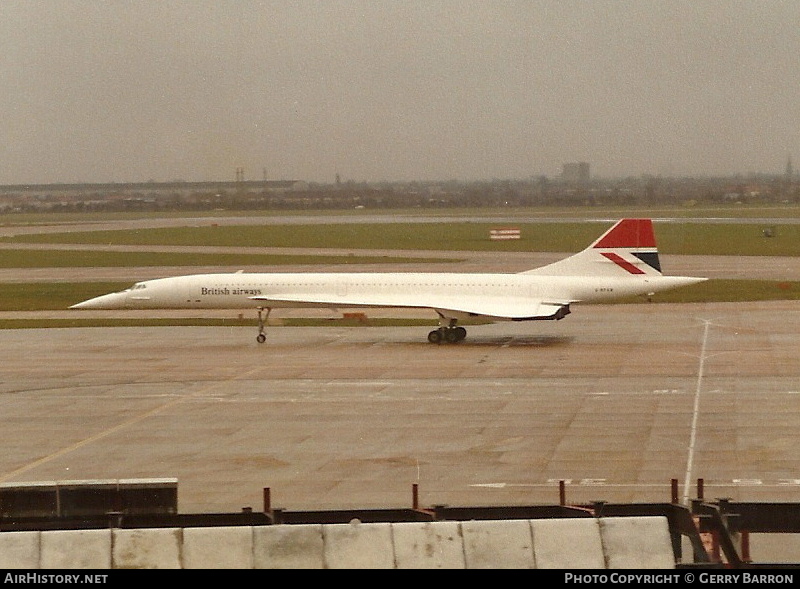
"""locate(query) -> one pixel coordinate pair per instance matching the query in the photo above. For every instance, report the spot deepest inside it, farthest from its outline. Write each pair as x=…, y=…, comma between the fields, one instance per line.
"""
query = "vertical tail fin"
x=634, y=237
x=627, y=247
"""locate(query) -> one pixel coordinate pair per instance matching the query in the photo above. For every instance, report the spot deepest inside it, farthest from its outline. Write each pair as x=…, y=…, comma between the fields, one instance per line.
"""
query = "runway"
x=615, y=400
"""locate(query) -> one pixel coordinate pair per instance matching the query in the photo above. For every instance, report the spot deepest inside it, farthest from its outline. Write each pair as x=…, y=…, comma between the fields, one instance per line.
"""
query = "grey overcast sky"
x=394, y=90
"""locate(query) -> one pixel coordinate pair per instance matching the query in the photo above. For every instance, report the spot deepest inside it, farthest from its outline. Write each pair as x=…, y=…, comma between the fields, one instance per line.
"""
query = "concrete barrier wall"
x=605, y=543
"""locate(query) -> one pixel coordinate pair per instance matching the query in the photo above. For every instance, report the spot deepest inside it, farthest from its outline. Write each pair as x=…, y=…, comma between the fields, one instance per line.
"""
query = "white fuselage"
x=356, y=290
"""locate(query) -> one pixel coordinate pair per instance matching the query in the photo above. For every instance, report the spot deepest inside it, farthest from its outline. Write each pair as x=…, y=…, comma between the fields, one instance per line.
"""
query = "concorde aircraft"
x=623, y=261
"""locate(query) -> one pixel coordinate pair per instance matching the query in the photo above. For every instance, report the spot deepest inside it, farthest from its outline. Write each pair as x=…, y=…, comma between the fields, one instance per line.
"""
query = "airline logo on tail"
x=630, y=237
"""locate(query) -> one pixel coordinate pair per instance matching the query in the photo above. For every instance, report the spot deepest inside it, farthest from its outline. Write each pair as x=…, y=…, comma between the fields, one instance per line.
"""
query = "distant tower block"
x=575, y=173
x=240, y=174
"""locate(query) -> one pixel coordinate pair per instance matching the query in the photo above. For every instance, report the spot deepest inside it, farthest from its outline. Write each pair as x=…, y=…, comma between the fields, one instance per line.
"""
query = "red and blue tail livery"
x=634, y=237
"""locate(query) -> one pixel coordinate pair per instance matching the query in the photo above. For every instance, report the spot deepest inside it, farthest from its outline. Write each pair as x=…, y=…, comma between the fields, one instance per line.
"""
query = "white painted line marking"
x=695, y=413
x=748, y=482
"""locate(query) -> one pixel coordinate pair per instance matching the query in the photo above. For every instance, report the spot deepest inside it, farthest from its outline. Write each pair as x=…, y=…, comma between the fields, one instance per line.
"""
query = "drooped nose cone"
x=115, y=300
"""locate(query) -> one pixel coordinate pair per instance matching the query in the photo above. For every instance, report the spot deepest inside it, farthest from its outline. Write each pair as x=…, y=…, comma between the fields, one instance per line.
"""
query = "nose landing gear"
x=261, y=338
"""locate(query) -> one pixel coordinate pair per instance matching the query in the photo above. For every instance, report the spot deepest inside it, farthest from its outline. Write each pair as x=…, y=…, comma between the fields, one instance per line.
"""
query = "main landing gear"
x=450, y=335
x=261, y=338
x=447, y=333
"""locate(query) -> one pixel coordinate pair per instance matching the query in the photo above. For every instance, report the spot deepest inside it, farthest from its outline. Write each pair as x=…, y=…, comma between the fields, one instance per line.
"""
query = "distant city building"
x=575, y=173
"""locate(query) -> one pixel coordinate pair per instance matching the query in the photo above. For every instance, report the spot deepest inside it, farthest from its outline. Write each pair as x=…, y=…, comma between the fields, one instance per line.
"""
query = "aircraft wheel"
x=461, y=333
x=435, y=337
x=261, y=338
x=451, y=335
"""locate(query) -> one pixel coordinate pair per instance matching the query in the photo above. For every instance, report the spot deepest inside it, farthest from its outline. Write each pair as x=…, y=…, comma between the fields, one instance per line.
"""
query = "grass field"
x=71, y=258
x=673, y=238
x=51, y=296
x=680, y=210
